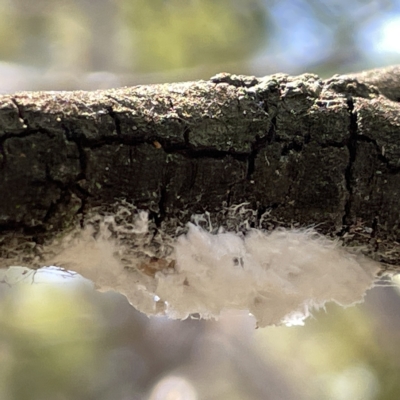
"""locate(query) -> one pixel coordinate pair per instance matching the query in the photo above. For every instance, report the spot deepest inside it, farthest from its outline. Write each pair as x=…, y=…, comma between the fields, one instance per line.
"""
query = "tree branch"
x=299, y=151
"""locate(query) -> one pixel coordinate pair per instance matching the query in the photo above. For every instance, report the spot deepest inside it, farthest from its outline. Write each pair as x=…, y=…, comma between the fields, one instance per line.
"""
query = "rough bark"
x=300, y=151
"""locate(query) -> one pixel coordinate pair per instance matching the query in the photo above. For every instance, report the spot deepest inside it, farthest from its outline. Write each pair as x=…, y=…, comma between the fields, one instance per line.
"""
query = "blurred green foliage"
x=49, y=343
x=339, y=354
x=9, y=40
x=141, y=41
x=187, y=33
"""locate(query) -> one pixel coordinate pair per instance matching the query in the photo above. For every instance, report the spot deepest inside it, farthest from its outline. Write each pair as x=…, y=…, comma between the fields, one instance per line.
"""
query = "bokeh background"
x=59, y=338
x=90, y=44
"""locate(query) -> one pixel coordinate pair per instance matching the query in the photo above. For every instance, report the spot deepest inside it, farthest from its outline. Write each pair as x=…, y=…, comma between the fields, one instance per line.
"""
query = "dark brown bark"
x=300, y=151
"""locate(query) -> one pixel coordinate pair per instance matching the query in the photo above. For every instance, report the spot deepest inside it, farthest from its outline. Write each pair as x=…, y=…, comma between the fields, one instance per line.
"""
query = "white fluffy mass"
x=279, y=277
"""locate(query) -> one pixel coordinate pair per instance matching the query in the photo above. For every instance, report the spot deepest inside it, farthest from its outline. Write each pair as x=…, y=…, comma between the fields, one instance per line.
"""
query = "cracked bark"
x=300, y=151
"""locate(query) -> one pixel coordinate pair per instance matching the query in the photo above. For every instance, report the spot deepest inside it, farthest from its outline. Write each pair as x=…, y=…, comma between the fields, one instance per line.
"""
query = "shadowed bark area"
x=300, y=151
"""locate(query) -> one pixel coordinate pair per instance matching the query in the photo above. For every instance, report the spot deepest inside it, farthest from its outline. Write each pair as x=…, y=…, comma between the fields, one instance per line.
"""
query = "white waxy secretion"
x=278, y=276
